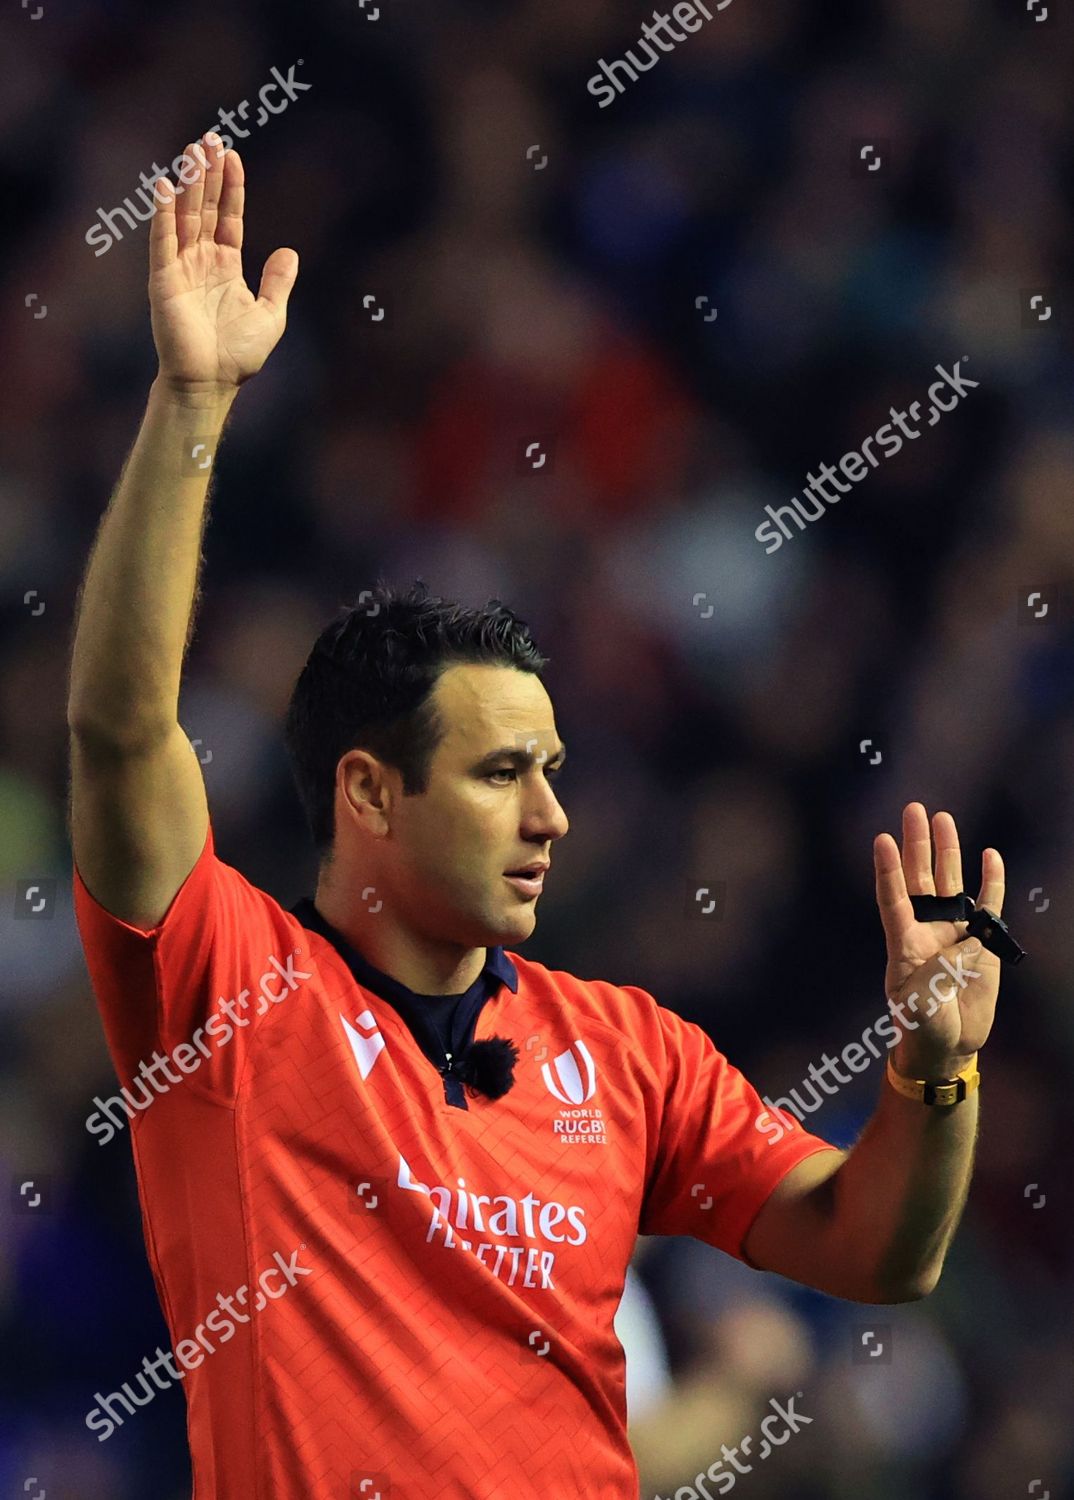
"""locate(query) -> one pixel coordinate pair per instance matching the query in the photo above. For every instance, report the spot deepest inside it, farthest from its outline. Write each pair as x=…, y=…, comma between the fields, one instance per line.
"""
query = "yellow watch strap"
x=944, y=1091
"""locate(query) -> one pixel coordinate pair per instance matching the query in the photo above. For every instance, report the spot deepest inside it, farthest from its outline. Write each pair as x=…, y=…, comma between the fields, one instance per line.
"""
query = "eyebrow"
x=521, y=759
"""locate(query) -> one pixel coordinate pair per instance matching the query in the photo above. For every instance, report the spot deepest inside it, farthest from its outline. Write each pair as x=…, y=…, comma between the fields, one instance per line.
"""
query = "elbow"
x=120, y=735
x=912, y=1289
x=924, y=1286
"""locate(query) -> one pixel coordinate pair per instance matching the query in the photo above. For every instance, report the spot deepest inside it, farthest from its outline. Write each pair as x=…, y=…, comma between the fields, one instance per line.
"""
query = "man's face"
x=490, y=808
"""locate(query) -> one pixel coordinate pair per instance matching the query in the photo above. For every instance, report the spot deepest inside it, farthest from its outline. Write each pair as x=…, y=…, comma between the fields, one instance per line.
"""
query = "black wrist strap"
x=982, y=922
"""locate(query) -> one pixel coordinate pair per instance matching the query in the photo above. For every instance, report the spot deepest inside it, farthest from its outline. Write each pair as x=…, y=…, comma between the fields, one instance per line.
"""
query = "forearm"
x=900, y=1193
x=137, y=599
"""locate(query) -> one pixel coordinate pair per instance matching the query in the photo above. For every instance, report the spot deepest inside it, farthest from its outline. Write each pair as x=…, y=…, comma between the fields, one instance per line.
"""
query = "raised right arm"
x=138, y=812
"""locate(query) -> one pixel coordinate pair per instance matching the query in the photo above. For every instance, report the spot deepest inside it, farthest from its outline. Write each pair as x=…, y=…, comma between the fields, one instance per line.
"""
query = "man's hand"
x=210, y=331
x=943, y=1026
x=875, y=1225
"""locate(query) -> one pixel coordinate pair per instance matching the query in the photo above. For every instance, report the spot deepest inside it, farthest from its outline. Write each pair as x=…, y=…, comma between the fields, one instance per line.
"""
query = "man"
x=431, y=1155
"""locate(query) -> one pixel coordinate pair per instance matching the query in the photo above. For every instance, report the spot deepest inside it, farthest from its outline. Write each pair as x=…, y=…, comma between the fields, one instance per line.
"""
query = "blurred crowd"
x=490, y=261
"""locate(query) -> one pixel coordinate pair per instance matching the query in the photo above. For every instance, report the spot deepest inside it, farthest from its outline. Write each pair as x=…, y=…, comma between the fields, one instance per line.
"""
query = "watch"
x=940, y=1091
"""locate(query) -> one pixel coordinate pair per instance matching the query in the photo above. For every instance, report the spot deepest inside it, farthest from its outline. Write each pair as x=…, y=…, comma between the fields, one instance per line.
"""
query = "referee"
x=391, y=1171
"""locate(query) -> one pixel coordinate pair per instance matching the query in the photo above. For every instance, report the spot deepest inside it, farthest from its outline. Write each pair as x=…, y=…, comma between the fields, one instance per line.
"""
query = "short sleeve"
x=715, y=1162
x=192, y=990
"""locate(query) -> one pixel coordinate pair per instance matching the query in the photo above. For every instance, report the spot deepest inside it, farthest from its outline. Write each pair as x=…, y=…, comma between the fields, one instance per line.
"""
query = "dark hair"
x=368, y=681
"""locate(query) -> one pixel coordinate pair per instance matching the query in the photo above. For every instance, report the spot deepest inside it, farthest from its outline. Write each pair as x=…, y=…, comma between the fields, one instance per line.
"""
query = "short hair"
x=368, y=681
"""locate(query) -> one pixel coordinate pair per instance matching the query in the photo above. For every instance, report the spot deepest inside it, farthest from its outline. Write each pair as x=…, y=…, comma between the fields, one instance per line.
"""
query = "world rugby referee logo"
x=568, y=1085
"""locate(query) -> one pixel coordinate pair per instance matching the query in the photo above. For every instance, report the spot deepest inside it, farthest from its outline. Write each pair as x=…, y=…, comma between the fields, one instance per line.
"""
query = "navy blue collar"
x=498, y=968
x=416, y=1011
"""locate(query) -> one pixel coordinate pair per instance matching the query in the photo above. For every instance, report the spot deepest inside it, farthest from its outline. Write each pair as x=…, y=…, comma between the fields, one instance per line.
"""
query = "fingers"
x=993, y=882
x=214, y=178
x=278, y=278
x=917, y=850
x=948, y=855
x=896, y=913
x=232, y=201
x=207, y=205
x=163, y=244
x=897, y=880
x=188, y=212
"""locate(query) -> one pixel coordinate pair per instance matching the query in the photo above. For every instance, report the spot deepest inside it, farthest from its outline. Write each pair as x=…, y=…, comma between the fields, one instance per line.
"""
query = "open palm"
x=209, y=329
x=958, y=1028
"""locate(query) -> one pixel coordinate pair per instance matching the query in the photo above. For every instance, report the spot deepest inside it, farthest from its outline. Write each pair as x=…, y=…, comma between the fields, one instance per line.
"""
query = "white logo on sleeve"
x=571, y=1088
x=367, y=1043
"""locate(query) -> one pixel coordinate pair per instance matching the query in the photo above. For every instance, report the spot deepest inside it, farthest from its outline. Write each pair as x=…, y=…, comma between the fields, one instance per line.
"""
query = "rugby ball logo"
x=570, y=1085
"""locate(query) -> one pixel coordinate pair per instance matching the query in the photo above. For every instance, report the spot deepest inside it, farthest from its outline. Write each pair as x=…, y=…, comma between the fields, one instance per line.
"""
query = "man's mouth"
x=529, y=879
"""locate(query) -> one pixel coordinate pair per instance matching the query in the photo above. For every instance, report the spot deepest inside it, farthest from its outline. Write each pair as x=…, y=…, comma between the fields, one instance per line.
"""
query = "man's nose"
x=546, y=818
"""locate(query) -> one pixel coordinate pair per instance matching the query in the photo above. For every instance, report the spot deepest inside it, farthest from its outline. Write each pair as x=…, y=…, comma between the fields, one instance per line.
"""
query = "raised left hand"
x=954, y=1017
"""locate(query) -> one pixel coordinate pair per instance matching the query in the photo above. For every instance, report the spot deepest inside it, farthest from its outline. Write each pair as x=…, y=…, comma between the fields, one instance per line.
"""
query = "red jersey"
x=369, y=1290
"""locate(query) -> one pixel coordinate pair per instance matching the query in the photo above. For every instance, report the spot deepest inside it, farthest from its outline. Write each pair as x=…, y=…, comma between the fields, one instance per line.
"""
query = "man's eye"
x=510, y=771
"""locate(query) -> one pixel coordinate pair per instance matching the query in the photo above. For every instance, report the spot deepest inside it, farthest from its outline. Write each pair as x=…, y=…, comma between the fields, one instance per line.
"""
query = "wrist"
x=962, y=1080
x=933, y=1069
x=194, y=395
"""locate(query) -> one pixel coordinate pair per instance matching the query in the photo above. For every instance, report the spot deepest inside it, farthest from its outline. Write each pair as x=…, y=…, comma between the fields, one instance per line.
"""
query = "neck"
x=423, y=964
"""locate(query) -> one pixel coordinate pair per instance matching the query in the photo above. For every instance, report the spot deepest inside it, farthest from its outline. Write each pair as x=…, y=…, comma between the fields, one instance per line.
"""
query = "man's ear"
x=365, y=791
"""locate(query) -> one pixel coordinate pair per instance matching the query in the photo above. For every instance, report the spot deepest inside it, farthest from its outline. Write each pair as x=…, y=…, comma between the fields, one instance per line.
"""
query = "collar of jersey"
x=498, y=970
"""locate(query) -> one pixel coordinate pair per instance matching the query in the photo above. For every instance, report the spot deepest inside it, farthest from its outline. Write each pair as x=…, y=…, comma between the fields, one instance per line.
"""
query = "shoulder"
x=627, y=1007
x=671, y=1046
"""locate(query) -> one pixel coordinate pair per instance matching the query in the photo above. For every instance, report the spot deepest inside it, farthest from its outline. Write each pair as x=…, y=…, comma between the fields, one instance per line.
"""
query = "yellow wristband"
x=945, y=1091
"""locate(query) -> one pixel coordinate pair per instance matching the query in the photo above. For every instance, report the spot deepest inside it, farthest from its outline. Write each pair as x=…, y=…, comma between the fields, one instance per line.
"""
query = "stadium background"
x=551, y=295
